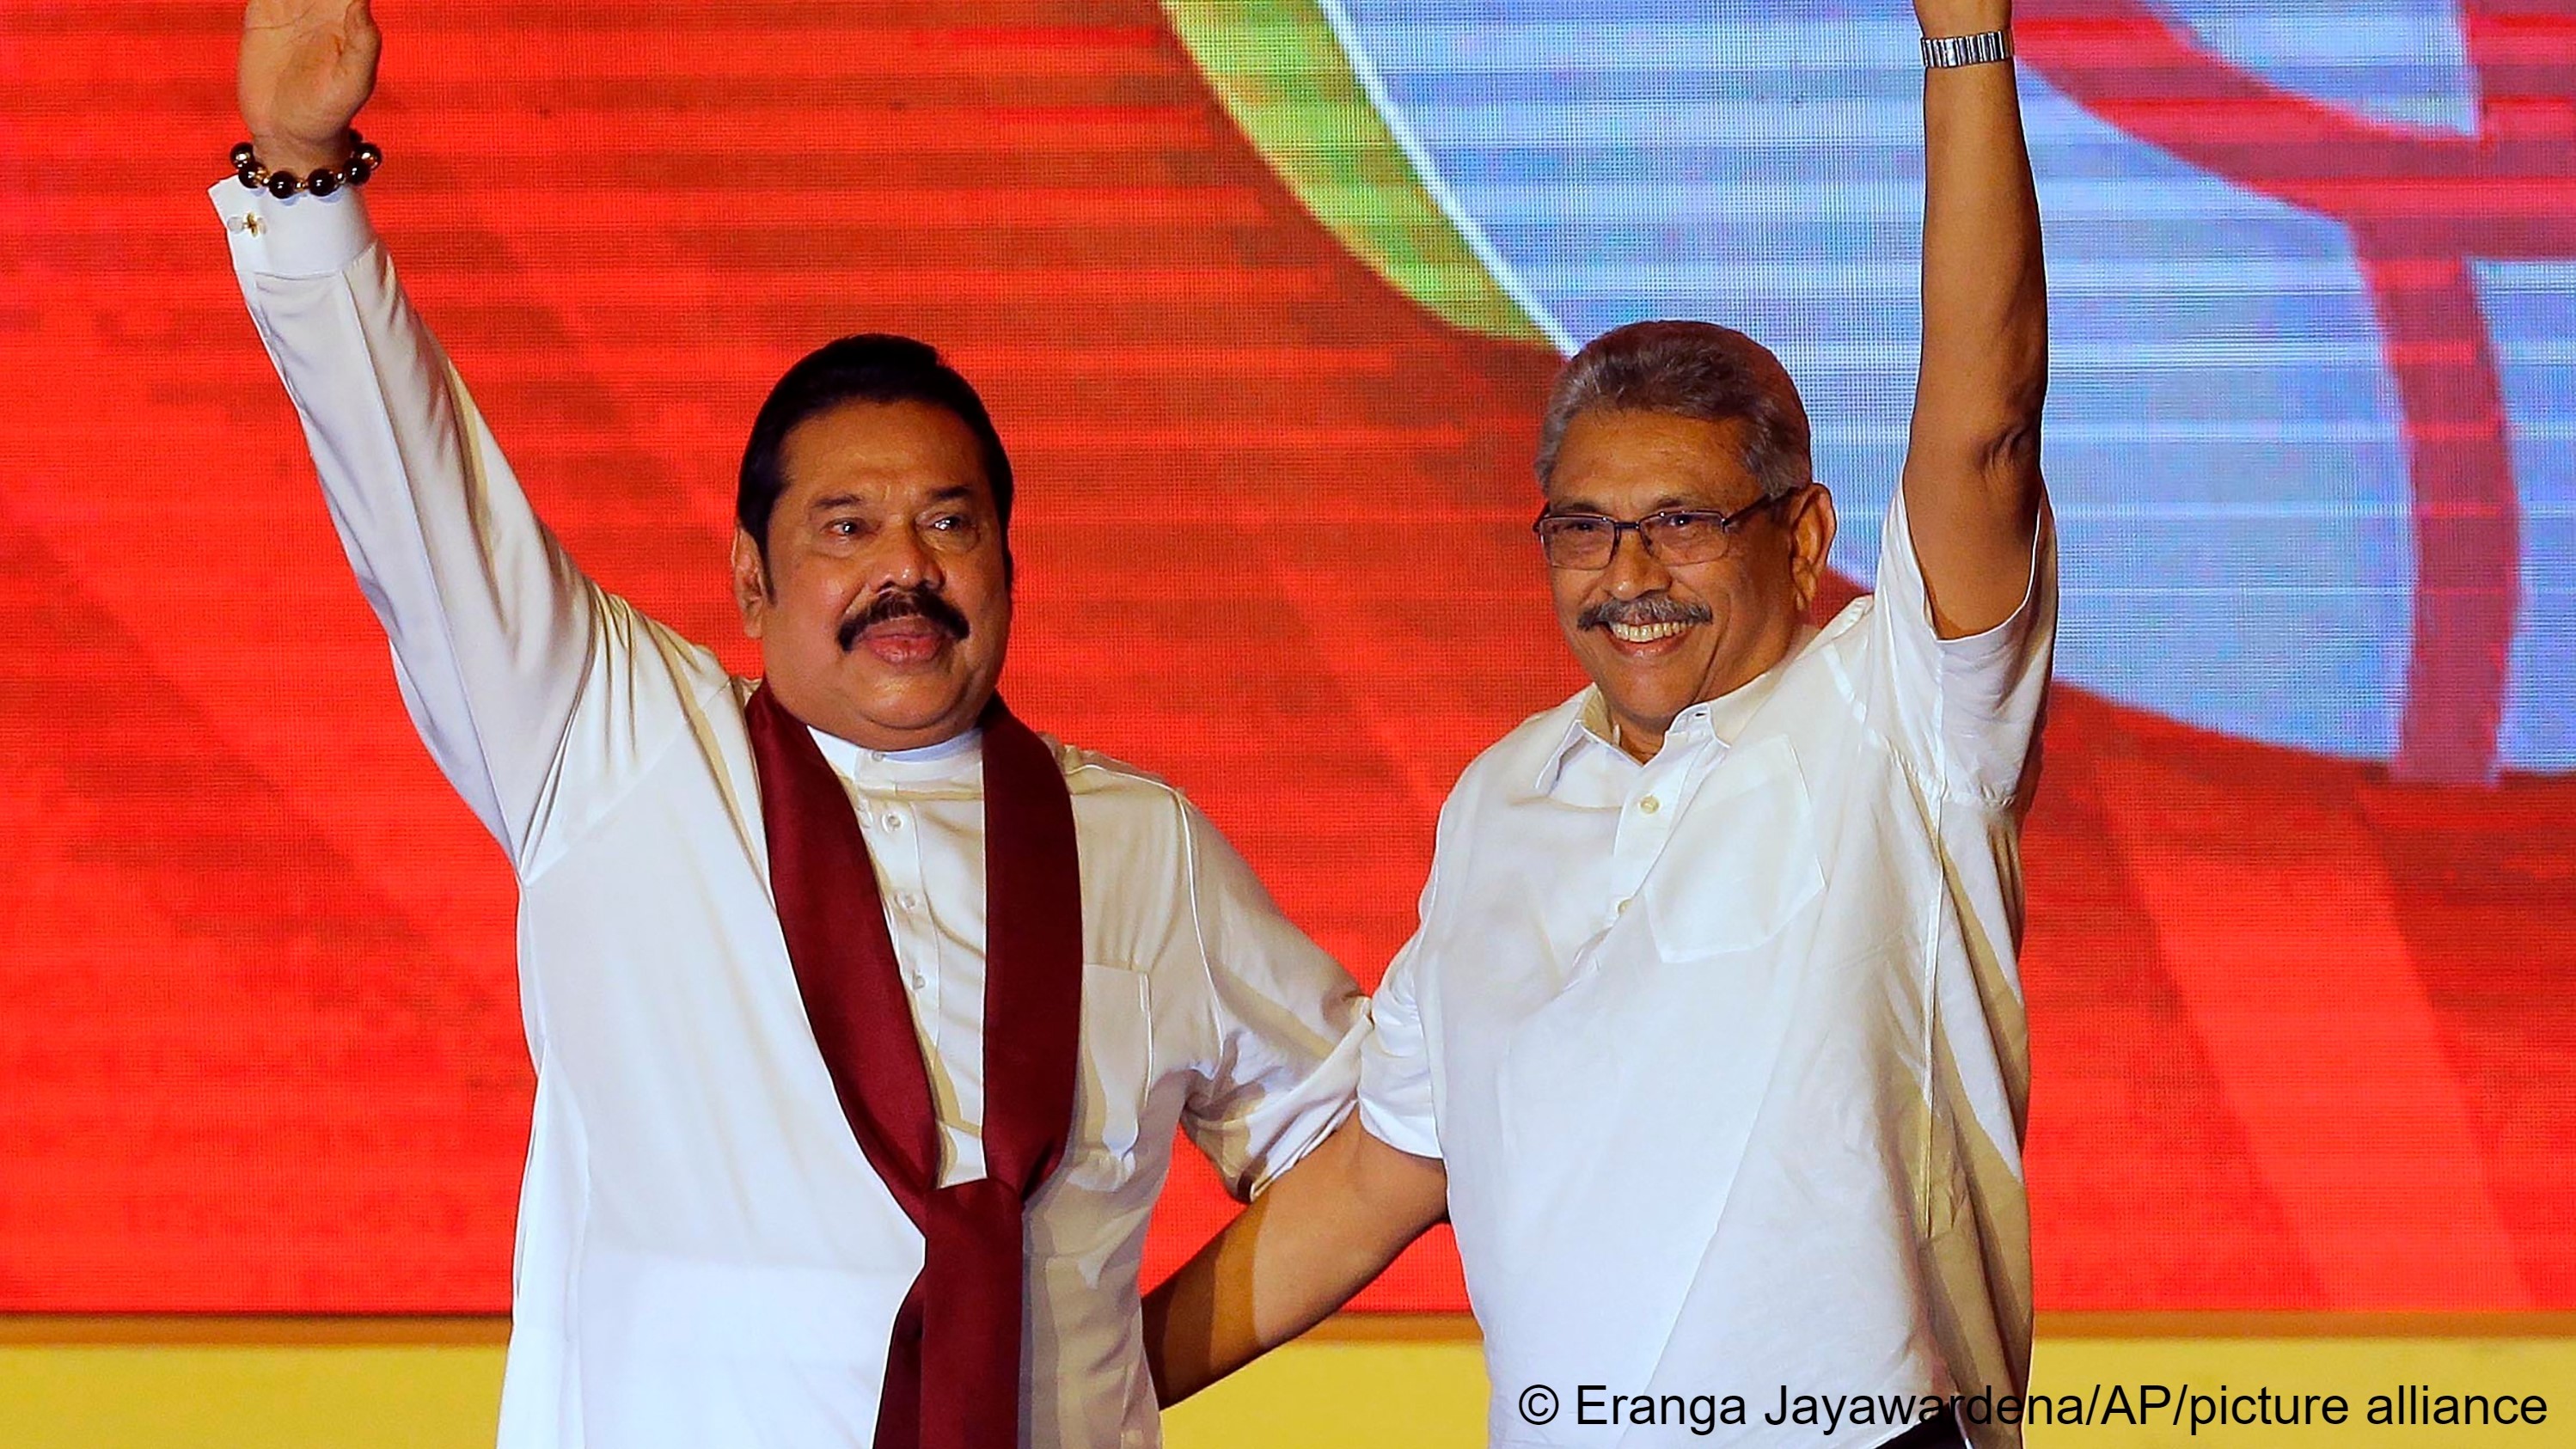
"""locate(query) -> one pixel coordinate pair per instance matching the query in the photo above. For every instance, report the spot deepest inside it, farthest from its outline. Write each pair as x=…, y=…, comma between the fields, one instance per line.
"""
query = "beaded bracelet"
x=364, y=157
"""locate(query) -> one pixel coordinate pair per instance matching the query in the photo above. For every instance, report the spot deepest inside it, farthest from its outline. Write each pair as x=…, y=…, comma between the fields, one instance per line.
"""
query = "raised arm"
x=1324, y=1229
x=491, y=626
x=1972, y=479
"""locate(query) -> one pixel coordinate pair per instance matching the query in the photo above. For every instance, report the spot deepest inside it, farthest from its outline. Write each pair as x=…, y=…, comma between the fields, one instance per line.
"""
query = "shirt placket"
x=894, y=839
x=1646, y=817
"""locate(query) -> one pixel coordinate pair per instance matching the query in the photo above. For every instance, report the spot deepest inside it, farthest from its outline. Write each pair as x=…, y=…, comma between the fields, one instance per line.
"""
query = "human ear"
x=751, y=590
x=1811, y=542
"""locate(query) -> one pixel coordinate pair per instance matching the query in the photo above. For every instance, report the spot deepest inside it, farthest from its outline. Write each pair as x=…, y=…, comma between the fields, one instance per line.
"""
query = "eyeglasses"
x=1674, y=536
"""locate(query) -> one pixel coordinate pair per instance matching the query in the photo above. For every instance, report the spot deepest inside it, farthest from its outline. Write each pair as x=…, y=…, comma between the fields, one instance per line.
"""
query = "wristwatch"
x=1948, y=52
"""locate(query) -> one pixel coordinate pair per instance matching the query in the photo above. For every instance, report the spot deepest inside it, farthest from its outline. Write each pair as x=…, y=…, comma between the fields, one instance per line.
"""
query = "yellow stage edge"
x=1363, y=1381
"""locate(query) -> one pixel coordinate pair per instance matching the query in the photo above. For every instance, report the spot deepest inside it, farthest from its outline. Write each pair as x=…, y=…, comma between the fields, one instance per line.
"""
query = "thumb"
x=359, y=40
x=358, y=21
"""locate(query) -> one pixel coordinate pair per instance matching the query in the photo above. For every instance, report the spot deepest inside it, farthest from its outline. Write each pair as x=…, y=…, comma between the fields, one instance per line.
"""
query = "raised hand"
x=307, y=66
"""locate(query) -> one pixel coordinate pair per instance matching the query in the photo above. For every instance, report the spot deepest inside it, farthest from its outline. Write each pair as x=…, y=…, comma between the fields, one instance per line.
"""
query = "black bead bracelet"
x=364, y=157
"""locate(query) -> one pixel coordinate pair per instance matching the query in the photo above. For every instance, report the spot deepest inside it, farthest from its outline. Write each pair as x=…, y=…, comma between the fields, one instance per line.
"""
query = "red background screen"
x=2303, y=1036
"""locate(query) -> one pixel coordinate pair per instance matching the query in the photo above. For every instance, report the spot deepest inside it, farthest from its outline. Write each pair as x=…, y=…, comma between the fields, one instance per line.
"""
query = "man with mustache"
x=863, y=1017
x=1711, y=1038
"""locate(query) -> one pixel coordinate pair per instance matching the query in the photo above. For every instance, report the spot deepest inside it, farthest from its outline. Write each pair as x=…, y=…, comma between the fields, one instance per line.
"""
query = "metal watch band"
x=1948, y=52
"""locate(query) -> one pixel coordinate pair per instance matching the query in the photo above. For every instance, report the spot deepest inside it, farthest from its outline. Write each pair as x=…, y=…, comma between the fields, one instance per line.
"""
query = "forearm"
x=1985, y=297
x=1972, y=474
x=1325, y=1229
x=491, y=624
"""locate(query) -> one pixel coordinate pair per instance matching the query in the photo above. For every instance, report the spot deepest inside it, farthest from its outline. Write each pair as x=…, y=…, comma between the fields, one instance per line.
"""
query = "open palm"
x=307, y=66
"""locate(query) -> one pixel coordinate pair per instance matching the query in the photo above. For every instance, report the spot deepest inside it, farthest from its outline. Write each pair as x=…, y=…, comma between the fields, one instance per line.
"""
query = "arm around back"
x=1324, y=1229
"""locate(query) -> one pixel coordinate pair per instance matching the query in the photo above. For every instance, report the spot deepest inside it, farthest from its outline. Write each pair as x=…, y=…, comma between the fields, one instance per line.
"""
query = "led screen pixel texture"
x=1267, y=321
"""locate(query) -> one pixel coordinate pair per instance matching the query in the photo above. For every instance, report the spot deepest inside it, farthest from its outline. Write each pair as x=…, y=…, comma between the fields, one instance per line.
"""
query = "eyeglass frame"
x=1620, y=528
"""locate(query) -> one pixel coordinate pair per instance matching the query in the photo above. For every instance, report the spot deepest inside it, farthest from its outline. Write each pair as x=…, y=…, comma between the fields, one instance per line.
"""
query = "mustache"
x=1647, y=609
x=904, y=604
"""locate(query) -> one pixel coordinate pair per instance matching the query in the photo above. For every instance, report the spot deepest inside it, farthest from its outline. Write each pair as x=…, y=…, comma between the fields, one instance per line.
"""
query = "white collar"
x=943, y=760
x=1718, y=721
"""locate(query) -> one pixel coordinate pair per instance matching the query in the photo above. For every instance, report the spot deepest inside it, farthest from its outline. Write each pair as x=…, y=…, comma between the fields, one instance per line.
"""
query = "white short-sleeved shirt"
x=704, y=1255
x=1724, y=1052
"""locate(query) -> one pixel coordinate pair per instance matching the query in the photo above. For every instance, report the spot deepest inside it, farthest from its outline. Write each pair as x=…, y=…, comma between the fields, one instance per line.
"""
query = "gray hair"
x=1692, y=370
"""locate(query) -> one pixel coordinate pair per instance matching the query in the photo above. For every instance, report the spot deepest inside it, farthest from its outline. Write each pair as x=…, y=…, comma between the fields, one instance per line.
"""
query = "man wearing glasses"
x=1712, y=1035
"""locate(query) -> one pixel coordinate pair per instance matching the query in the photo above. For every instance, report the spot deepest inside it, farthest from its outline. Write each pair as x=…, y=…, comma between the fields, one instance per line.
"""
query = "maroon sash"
x=953, y=1369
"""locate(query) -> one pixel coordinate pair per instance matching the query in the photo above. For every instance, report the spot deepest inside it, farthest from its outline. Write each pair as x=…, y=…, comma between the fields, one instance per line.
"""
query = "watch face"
x=2258, y=380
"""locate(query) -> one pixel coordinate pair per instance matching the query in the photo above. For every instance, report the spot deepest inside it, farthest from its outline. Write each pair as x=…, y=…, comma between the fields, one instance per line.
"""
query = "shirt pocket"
x=1741, y=862
x=1117, y=1055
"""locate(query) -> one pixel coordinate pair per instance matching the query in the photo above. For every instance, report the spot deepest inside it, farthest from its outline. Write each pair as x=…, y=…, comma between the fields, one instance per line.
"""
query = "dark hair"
x=874, y=367
x=1692, y=370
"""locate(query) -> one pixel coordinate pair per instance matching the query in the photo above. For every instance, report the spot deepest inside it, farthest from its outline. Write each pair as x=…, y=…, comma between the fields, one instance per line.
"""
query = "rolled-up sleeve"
x=1289, y=1024
x=1396, y=1100
x=1967, y=711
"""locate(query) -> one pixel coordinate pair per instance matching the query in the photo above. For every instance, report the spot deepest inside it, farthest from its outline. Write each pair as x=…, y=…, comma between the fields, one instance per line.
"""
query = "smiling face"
x=883, y=605
x=1657, y=637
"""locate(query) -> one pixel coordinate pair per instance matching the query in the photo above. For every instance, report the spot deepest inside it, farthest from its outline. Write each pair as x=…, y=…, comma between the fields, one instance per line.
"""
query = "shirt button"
x=920, y=982
x=877, y=755
x=908, y=901
x=893, y=821
x=1623, y=907
x=1650, y=804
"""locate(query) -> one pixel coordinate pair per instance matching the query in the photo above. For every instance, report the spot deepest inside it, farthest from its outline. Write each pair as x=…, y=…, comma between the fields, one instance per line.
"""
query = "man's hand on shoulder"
x=307, y=67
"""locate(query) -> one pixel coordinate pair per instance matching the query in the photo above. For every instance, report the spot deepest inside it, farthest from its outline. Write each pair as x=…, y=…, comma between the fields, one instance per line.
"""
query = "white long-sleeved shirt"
x=704, y=1255
x=1724, y=1051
